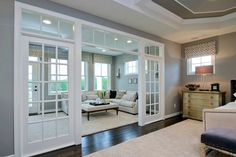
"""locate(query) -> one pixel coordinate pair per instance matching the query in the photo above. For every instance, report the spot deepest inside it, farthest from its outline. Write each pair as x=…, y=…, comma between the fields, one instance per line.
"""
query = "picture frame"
x=215, y=87
x=130, y=80
x=135, y=80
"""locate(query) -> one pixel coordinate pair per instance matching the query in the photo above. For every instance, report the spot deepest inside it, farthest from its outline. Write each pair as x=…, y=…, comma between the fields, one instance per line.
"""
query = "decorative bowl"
x=192, y=87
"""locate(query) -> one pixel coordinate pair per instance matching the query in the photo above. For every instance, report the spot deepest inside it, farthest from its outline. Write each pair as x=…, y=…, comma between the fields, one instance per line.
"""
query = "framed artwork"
x=130, y=80
x=135, y=80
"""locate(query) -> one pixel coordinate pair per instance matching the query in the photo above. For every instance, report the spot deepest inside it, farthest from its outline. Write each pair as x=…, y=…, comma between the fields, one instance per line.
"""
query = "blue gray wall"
x=122, y=83
x=172, y=63
x=6, y=76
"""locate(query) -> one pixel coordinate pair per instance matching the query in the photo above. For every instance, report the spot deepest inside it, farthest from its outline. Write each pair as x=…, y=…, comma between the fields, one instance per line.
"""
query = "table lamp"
x=203, y=71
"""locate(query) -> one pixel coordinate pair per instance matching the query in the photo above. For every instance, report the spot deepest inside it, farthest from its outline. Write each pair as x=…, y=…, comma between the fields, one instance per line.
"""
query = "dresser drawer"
x=194, y=102
x=199, y=96
x=215, y=97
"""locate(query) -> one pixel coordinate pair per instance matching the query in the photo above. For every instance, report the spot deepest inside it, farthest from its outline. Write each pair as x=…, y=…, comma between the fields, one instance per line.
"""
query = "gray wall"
x=122, y=82
x=6, y=76
x=225, y=63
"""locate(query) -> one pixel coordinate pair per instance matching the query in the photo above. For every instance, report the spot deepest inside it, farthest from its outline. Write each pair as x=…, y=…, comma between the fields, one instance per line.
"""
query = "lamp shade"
x=204, y=70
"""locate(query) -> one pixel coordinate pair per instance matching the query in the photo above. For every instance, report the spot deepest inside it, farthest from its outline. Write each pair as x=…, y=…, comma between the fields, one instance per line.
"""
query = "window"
x=102, y=76
x=192, y=63
x=131, y=67
x=84, y=85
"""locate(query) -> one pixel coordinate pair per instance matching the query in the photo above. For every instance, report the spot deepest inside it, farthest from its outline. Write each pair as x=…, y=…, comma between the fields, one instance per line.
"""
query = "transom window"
x=102, y=76
x=192, y=63
x=131, y=67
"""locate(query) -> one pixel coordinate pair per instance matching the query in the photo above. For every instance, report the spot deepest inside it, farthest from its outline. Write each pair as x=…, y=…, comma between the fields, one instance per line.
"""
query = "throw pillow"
x=107, y=94
x=92, y=97
x=112, y=94
x=100, y=94
x=120, y=94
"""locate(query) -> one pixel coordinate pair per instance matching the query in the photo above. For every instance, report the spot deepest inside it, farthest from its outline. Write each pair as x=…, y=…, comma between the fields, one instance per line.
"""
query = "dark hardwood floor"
x=105, y=139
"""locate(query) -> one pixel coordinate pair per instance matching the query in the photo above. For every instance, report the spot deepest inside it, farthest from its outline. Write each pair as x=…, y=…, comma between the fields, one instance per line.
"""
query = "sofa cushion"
x=221, y=138
x=127, y=103
x=115, y=100
x=112, y=94
x=130, y=96
x=92, y=97
x=119, y=94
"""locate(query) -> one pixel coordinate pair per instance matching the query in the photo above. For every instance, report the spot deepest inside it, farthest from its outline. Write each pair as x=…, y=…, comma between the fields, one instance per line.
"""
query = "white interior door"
x=152, y=84
x=48, y=102
x=152, y=79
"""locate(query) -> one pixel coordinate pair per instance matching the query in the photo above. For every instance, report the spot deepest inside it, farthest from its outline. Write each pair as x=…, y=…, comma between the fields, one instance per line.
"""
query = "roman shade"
x=199, y=50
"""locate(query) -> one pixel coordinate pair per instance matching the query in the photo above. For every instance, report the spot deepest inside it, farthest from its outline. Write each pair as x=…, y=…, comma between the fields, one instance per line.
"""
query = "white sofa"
x=127, y=102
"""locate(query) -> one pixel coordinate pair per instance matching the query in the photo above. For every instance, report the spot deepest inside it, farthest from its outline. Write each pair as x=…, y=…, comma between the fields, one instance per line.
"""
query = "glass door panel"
x=152, y=87
x=48, y=115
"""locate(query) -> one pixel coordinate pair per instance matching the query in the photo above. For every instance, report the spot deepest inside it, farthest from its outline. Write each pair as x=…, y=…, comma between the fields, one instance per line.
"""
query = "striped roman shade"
x=199, y=50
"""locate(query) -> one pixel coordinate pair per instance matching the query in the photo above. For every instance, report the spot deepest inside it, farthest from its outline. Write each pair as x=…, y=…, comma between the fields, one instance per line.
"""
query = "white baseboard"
x=173, y=114
x=10, y=155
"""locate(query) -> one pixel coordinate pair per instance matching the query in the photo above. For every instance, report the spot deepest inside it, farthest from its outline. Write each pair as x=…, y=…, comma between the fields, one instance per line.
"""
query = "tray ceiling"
x=189, y=9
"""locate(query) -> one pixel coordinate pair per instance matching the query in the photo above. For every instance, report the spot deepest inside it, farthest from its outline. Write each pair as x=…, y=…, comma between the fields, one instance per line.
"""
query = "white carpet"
x=179, y=140
x=100, y=121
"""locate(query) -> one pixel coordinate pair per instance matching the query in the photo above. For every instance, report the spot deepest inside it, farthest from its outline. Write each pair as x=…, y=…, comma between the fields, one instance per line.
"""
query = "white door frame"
x=77, y=63
x=18, y=75
x=143, y=120
x=34, y=149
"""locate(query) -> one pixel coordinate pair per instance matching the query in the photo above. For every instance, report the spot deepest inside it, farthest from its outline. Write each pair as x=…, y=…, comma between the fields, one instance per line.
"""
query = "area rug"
x=179, y=140
x=101, y=121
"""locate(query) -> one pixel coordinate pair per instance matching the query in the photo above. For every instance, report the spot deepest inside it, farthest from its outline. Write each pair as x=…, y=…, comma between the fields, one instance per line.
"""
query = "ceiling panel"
x=190, y=9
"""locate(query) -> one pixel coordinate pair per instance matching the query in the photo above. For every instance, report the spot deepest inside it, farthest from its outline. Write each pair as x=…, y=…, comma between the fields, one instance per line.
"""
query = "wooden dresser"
x=195, y=101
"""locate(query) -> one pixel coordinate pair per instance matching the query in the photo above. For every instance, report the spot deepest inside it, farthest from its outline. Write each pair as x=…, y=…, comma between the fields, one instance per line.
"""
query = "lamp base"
x=204, y=90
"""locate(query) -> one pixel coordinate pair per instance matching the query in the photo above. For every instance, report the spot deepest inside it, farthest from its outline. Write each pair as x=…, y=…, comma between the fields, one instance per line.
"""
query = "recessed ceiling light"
x=129, y=41
x=115, y=39
x=47, y=22
x=104, y=50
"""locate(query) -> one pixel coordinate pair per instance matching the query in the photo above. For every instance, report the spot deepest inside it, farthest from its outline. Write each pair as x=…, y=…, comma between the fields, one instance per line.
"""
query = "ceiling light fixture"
x=129, y=41
x=47, y=22
x=115, y=39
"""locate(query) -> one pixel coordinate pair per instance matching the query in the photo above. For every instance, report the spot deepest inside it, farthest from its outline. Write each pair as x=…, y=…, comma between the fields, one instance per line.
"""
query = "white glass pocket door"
x=153, y=107
x=48, y=103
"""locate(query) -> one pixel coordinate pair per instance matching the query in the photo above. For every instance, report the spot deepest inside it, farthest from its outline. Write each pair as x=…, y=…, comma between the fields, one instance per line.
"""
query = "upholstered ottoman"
x=220, y=139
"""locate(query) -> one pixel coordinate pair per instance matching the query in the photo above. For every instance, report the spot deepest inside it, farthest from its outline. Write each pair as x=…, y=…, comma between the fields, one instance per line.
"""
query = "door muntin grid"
x=152, y=78
x=48, y=87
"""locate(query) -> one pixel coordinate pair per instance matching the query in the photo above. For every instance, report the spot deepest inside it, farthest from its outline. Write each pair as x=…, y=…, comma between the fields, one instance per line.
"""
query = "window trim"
x=109, y=75
x=189, y=66
x=85, y=75
x=126, y=68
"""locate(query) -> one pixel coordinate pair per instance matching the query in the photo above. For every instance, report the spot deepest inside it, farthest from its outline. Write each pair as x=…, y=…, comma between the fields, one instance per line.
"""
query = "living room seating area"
x=126, y=100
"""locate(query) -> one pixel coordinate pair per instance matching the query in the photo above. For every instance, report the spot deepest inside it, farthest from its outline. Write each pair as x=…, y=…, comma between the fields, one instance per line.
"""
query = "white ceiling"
x=154, y=19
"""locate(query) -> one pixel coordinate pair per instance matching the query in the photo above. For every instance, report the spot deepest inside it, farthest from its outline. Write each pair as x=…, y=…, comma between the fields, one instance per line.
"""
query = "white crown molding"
x=157, y=12
x=199, y=12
